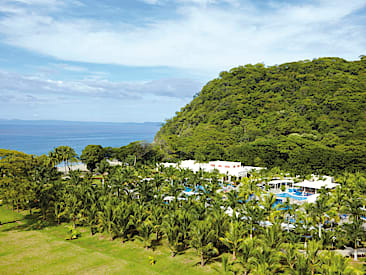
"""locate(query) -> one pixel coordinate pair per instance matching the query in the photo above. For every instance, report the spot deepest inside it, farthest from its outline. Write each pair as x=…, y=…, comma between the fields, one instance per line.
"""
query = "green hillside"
x=306, y=116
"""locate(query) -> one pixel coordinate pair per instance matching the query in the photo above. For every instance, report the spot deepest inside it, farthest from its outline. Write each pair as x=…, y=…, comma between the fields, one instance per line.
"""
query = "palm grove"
x=128, y=205
x=301, y=117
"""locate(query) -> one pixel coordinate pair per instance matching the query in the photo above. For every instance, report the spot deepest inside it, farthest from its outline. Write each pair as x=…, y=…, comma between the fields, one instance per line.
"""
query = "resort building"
x=304, y=191
x=228, y=168
x=315, y=184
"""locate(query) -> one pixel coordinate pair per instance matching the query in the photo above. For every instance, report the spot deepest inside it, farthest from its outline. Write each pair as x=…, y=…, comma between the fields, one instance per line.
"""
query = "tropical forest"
x=305, y=117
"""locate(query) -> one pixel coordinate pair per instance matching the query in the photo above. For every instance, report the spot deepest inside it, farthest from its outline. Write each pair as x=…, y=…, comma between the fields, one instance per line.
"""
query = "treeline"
x=95, y=156
x=300, y=116
x=128, y=205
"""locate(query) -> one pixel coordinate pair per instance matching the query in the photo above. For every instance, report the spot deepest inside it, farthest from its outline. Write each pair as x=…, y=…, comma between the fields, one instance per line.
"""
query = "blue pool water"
x=289, y=195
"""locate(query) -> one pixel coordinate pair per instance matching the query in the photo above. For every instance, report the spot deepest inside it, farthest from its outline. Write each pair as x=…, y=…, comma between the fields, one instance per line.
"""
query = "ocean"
x=40, y=137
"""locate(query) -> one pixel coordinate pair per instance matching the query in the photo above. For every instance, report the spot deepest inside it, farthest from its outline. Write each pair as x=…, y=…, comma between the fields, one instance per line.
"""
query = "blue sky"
x=142, y=60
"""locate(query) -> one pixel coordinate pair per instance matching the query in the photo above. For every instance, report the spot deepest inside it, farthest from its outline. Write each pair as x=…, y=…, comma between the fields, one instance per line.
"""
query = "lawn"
x=28, y=246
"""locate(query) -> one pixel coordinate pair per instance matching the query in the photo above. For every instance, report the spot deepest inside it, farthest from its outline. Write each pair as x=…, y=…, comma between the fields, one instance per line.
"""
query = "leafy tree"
x=304, y=116
x=92, y=155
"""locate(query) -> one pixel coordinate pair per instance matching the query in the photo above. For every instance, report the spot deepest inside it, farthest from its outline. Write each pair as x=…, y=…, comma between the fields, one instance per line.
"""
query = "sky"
x=143, y=60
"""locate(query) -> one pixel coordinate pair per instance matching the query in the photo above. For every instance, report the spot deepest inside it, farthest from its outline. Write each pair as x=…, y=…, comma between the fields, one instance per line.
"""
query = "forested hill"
x=306, y=116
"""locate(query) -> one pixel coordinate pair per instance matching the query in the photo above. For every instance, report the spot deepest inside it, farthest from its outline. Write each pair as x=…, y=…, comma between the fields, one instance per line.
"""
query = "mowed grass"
x=29, y=246
x=7, y=216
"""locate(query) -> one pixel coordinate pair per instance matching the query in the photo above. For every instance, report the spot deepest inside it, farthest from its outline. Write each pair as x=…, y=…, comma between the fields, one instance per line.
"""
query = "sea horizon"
x=41, y=136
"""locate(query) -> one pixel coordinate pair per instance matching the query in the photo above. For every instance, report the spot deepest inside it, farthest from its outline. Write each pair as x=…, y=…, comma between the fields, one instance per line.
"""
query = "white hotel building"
x=228, y=168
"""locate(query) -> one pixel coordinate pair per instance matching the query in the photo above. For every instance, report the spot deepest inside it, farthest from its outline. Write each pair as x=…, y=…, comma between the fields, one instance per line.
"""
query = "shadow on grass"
x=27, y=223
x=155, y=244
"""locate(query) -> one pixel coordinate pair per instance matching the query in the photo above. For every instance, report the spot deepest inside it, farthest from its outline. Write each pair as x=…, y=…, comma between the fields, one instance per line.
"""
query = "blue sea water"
x=40, y=137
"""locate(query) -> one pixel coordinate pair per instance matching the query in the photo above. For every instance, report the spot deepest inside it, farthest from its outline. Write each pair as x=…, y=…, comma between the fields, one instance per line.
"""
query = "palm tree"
x=355, y=233
x=92, y=217
x=185, y=219
x=226, y=266
x=337, y=199
x=252, y=214
x=107, y=215
x=220, y=224
x=268, y=202
x=144, y=190
x=354, y=206
x=289, y=255
x=232, y=201
x=65, y=154
x=336, y=264
x=302, y=265
x=273, y=236
x=73, y=199
x=233, y=238
x=265, y=261
x=201, y=240
x=322, y=210
x=248, y=249
x=305, y=222
x=59, y=210
x=145, y=233
x=172, y=232
x=313, y=250
x=156, y=218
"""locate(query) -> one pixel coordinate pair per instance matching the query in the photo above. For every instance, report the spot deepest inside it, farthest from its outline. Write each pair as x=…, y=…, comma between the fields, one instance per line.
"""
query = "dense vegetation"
x=306, y=116
x=126, y=203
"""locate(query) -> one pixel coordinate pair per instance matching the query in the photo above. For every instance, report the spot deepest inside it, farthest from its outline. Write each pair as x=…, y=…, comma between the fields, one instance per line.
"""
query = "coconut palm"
x=59, y=210
x=302, y=265
x=156, y=218
x=232, y=201
x=265, y=260
x=73, y=199
x=172, y=232
x=273, y=236
x=220, y=223
x=313, y=251
x=226, y=266
x=201, y=240
x=355, y=233
x=289, y=256
x=145, y=233
x=144, y=189
x=92, y=217
x=248, y=249
x=107, y=215
x=122, y=221
x=335, y=264
x=66, y=155
x=337, y=199
x=252, y=214
x=185, y=219
x=354, y=206
x=233, y=238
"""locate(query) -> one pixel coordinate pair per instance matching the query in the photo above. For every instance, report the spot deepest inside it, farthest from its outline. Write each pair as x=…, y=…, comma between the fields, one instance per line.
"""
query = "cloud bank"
x=209, y=35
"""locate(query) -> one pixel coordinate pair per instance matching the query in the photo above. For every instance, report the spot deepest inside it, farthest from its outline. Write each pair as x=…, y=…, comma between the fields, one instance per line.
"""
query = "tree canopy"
x=302, y=116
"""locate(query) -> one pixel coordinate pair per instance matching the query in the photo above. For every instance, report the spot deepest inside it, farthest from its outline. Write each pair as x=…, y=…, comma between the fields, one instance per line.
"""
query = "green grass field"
x=28, y=246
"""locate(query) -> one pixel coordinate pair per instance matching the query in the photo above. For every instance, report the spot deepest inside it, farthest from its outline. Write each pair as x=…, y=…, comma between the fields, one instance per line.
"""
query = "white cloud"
x=17, y=87
x=151, y=2
x=212, y=38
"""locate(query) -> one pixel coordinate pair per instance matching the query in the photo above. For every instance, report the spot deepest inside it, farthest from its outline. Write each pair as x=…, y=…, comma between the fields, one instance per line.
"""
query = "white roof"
x=312, y=198
x=273, y=182
x=316, y=184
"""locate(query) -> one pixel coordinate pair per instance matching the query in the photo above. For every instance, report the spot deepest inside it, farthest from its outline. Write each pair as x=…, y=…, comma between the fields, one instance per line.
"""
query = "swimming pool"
x=289, y=195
